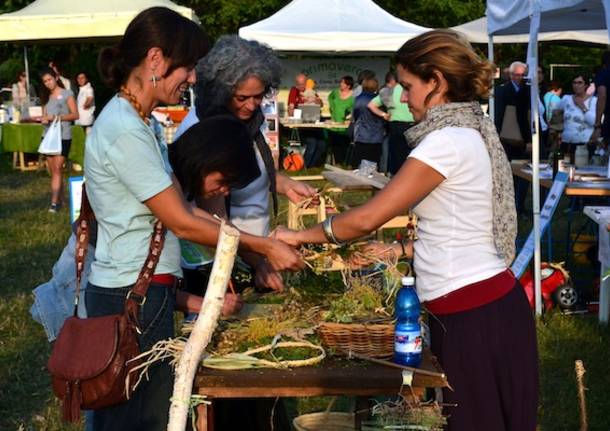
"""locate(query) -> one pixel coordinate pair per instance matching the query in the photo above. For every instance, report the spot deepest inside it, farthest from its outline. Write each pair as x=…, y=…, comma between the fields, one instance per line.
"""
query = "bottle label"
x=408, y=341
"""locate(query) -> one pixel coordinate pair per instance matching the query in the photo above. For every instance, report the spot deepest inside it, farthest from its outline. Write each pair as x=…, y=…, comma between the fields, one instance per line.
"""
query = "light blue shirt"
x=551, y=103
x=125, y=165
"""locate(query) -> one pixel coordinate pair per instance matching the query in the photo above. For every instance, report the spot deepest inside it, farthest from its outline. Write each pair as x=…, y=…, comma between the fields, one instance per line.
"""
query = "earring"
x=154, y=79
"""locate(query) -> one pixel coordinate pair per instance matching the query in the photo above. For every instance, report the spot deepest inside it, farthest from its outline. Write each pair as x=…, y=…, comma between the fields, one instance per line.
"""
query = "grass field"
x=31, y=240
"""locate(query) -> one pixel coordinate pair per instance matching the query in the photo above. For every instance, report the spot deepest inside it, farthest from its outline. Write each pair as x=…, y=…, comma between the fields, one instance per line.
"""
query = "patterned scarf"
x=470, y=115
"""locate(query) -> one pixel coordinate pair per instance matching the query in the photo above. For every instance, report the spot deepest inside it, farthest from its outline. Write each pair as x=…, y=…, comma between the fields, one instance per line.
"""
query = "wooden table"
x=573, y=188
x=332, y=377
x=349, y=181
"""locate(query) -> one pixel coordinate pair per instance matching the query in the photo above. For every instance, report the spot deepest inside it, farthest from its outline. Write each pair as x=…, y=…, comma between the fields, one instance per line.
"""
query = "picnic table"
x=332, y=377
x=590, y=182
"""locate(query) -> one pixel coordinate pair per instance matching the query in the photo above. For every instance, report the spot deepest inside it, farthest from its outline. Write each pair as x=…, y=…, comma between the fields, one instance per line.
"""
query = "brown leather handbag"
x=92, y=357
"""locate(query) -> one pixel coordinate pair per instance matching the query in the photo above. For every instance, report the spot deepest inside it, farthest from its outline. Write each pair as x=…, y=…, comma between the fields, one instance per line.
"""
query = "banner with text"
x=328, y=71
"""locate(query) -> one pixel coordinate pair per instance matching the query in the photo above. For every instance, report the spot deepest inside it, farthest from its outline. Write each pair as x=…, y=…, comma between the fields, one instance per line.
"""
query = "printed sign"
x=271, y=126
x=75, y=189
x=546, y=214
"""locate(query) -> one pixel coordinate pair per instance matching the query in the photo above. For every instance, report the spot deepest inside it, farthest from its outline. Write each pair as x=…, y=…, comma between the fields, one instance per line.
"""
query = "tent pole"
x=27, y=71
x=490, y=56
x=532, y=61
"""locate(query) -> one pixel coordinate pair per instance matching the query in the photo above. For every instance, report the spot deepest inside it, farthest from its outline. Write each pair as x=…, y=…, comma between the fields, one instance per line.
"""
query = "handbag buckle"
x=138, y=299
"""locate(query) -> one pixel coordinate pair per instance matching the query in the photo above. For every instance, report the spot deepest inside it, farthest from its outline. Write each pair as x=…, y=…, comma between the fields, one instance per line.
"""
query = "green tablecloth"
x=26, y=138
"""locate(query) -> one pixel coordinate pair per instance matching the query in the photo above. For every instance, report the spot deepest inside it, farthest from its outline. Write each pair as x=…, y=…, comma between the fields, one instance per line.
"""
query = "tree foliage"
x=435, y=13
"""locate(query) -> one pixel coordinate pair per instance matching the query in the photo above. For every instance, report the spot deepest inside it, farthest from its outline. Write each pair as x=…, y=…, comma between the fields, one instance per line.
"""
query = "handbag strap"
x=84, y=220
x=136, y=296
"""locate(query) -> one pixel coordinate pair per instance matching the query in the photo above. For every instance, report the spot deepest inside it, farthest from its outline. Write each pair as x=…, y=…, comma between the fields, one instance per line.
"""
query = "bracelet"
x=327, y=228
x=402, y=246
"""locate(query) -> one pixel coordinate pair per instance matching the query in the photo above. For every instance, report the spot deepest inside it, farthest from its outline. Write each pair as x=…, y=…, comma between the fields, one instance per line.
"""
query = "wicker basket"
x=375, y=341
x=324, y=421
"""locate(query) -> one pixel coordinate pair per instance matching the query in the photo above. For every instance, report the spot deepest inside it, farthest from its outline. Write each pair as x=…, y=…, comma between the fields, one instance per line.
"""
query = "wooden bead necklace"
x=134, y=102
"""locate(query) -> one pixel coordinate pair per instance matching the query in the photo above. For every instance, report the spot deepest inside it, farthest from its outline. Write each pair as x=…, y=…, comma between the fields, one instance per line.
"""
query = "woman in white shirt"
x=578, y=117
x=458, y=181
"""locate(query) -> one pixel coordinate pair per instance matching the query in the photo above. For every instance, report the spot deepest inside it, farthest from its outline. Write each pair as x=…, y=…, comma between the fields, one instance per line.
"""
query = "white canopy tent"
x=73, y=19
x=345, y=26
x=539, y=16
x=476, y=32
x=48, y=20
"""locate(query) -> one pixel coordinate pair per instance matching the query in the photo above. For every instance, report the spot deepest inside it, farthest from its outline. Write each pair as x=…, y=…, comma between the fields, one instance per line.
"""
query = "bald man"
x=295, y=97
x=313, y=140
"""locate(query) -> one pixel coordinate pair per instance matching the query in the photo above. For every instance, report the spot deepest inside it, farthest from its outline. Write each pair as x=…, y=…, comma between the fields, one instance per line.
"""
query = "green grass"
x=31, y=240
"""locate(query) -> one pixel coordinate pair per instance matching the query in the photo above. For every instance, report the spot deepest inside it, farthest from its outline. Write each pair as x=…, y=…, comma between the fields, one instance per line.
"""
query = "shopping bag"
x=51, y=143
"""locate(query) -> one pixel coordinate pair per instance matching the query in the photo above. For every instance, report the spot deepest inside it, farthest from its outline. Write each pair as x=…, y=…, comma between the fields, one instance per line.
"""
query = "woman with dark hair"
x=205, y=155
x=57, y=103
x=369, y=129
x=459, y=182
x=205, y=167
x=130, y=184
x=578, y=111
x=234, y=77
x=341, y=103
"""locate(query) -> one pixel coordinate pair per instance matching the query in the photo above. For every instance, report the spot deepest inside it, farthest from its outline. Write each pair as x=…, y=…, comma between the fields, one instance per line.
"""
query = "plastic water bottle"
x=407, y=333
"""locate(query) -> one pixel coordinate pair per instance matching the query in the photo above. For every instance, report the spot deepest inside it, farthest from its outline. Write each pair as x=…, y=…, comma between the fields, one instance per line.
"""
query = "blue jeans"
x=315, y=147
x=148, y=407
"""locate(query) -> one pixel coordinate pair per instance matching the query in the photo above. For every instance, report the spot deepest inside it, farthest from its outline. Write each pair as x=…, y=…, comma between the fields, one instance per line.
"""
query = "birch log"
x=204, y=327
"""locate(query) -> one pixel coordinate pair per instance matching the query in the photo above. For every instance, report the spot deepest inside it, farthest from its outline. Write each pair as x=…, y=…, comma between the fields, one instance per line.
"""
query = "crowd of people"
x=567, y=121
x=376, y=116
x=448, y=162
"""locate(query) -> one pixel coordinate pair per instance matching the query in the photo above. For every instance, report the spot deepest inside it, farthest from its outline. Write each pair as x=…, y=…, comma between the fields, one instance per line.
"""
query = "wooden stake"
x=580, y=372
x=204, y=327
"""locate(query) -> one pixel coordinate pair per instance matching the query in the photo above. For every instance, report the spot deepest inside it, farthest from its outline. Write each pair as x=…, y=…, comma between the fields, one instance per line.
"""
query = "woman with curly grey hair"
x=234, y=77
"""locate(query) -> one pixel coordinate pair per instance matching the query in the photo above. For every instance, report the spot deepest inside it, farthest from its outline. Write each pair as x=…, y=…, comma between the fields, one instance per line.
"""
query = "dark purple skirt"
x=490, y=357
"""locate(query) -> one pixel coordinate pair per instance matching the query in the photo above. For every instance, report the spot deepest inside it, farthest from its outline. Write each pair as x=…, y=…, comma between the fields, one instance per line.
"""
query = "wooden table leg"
x=362, y=406
x=205, y=416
